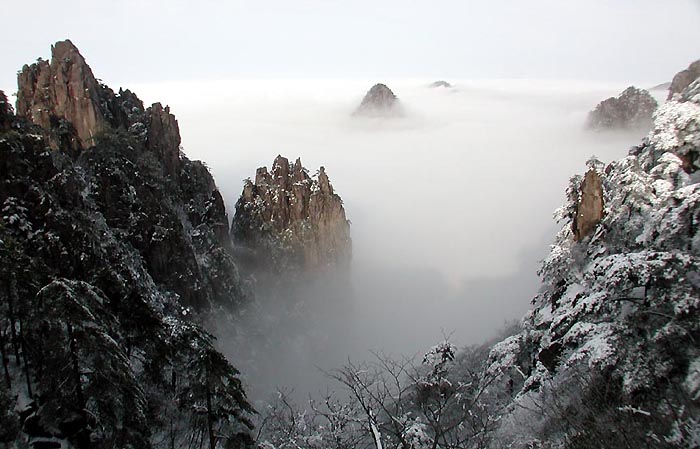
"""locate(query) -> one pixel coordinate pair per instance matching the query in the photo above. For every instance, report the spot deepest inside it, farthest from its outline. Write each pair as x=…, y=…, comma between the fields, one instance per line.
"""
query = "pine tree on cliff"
x=207, y=387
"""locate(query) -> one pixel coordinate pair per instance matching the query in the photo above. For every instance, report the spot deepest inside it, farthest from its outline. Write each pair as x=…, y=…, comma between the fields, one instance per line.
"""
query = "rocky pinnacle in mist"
x=287, y=220
x=379, y=101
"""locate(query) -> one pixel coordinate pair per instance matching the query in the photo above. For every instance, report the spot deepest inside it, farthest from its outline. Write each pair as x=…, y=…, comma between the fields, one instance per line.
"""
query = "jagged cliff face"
x=289, y=221
x=683, y=79
x=379, y=101
x=163, y=136
x=610, y=349
x=65, y=99
x=125, y=143
x=64, y=88
x=113, y=246
x=633, y=108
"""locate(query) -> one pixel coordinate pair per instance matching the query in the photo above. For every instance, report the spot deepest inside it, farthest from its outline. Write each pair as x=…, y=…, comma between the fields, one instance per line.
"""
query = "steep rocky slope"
x=610, y=355
x=633, y=108
x=114, y=249
x=288, y=221
x=684, y=78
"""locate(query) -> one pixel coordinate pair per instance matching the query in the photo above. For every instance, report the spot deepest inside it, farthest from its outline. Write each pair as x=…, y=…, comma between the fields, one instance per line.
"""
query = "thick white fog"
x=450, y=205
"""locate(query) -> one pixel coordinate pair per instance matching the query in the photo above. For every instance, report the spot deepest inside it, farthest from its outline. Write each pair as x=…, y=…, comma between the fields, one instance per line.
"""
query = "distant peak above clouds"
x=379, y=101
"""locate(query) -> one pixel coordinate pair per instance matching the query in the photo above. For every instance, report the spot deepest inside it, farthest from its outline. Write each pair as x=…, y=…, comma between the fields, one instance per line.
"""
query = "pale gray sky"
x=130, y=41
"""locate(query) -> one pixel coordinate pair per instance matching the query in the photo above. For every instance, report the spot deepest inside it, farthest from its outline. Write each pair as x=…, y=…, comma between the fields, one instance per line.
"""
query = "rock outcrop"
x=379, y=101
x=75, y=110
x=64, y=88
x=589, y=208
x=633, y=108
x=684, y=78
x=163, y=136
x=291, y=222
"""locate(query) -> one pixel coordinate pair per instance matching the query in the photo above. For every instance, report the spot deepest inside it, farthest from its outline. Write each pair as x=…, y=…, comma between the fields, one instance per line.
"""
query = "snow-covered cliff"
x=609, y=355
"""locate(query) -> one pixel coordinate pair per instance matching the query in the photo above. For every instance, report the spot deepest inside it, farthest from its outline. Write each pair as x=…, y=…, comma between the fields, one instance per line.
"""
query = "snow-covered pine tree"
x=206, y=388
x=85, y=385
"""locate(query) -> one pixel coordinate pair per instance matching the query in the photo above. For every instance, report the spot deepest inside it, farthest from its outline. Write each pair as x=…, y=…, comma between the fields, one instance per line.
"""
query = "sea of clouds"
x=450, y=205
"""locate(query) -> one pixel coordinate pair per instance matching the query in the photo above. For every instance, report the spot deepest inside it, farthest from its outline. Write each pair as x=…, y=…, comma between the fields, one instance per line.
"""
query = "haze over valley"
x=451, y=204
x=350, y=225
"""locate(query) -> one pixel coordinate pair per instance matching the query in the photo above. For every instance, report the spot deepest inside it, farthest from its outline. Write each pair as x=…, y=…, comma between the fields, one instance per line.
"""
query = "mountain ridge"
x=115, y=249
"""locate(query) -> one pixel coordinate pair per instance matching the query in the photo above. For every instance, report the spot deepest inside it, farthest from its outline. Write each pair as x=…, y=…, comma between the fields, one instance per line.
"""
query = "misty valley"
x=351, y=263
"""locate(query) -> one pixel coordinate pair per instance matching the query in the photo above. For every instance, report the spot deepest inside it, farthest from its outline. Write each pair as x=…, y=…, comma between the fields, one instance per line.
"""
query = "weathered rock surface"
x=684, y=78
x=163, y=137
x=633, y=108
x=379, y=101
x=66, y=89
x=589, y=209
x=289, y=221
x=65, y=99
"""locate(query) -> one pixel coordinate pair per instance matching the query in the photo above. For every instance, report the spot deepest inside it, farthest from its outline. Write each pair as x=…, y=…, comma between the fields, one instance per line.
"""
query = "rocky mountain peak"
x=379, y=101
x=163, y=136
x=323, y=182
x=684, y=78
x=64, y=97
x=633, y=108
x=281, y=172
x=64, y=89
x=288, y=221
